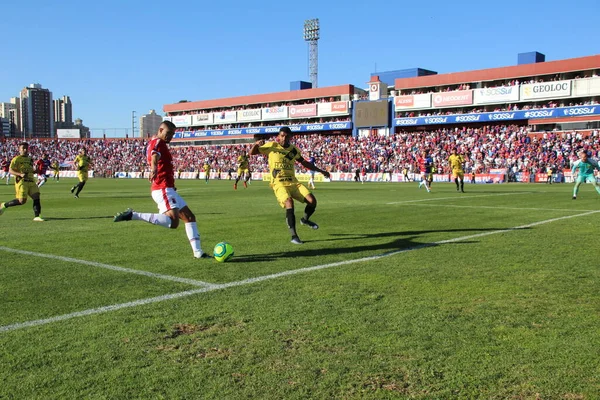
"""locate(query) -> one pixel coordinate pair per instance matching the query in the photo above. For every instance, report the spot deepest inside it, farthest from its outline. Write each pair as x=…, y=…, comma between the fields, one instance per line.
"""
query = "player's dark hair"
x=169, y=124
x=286, y=129
x=24, y=144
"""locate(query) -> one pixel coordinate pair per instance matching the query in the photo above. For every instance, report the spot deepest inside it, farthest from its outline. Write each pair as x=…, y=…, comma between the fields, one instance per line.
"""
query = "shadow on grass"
x=403, y=241
x=75, y=218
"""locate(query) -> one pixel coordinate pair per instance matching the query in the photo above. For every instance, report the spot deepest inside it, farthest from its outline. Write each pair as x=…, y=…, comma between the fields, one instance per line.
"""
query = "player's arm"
x=312, y=167
x=154, y=166
x=14, y=172
x=255, y=148
x=77, y=164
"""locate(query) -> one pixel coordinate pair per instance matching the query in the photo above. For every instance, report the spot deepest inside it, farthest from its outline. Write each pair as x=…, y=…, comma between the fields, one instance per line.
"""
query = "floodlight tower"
x=311, y=35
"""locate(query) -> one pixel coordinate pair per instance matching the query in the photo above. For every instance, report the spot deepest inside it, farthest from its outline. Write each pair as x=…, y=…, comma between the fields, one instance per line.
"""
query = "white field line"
x=458, y=197
x=501, y=208
x=214, y=287
x=108, y=266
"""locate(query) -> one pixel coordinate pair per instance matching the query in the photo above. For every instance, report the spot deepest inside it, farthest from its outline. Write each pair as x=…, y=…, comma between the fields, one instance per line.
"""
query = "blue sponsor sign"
x=264, y=130
x=500, y=116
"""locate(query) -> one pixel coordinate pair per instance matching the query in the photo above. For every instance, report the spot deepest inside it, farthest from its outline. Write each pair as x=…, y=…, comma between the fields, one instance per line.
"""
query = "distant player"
x=282, y=156
x=171, y=205
x=473, y=175
x=82, y=163
x=405, y=174
x=363, y=173
x=56, y=169
x=311, y=181
x=425, y=162
x=243, y=170
x=206, y=169
x=583, y=171
x=458, y=174
x=5, y=168
x=549, y=174
x=42, y=166
x=22, y=168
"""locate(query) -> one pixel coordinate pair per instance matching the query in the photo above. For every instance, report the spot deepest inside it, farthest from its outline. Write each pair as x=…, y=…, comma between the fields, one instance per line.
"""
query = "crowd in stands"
x=499, y=146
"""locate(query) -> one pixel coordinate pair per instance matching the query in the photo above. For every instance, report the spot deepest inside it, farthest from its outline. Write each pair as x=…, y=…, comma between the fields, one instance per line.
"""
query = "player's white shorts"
x=167, y=199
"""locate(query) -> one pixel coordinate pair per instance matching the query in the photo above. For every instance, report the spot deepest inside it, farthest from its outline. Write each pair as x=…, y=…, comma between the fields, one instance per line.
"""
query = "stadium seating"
x=500, y=146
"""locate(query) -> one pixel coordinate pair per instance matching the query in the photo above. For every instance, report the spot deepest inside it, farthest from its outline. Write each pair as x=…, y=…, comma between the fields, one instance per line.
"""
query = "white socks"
x=191, y=230
x=156, y=219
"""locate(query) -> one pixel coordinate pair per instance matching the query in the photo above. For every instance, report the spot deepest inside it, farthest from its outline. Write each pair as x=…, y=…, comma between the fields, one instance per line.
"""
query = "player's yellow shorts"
x=244, y=171
x=24, y=189
x=457, y=173
x=82, y=175
x=295, y=190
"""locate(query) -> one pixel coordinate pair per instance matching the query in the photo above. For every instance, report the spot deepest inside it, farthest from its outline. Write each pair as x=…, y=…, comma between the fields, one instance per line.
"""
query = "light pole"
x=311, y=35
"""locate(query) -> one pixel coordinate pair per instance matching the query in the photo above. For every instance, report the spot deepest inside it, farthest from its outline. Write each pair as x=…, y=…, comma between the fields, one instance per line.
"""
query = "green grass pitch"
x=472, y=308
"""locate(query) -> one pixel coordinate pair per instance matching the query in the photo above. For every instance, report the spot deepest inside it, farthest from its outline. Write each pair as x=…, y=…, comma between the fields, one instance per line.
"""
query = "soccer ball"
x=223, y=251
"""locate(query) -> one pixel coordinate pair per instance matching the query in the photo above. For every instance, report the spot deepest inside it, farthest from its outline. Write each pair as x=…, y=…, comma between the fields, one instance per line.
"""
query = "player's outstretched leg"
x=309, y=210
x=462, y=185
x=79, y=189
x=596, y=186
x=37, y=209
x=12, y=203
x=576, y=189
x=456, y=181
x=155, y=219
x=290, y=219
x=425, y=183
x=191, y=230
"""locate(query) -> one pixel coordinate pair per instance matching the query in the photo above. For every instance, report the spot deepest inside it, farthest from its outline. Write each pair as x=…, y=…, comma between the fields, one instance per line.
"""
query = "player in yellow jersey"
x=206, y=169
x=282, y=157
x=82, y=163
x=243, y=170
x=458, y=174
x=21, y=167
x=56, y=169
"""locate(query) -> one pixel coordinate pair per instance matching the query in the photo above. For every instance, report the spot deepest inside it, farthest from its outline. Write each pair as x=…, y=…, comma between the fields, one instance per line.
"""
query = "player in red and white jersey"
x=171, y=205
x=425, y=163
x=5, y=170
x=41, y=168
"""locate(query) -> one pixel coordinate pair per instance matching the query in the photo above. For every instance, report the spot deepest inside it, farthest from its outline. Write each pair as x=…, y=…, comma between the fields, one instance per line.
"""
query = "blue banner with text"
x=264, y=130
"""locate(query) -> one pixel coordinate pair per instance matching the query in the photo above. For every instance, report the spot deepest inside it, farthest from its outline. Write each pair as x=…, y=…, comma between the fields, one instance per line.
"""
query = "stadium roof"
x=262, y=98
x=491, y=74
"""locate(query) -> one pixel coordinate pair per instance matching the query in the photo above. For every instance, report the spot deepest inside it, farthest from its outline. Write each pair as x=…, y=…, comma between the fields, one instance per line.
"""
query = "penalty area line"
x=192, y=282
x=458, y=197
x=499, y=208
x=158, y=299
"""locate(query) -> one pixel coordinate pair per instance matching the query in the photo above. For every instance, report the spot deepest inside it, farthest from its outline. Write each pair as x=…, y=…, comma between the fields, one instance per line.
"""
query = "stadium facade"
x=554, y=95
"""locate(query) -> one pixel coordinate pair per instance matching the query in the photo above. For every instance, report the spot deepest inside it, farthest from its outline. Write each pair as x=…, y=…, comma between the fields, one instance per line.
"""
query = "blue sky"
x=114, y=57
